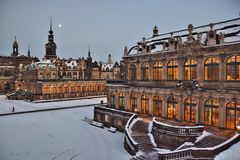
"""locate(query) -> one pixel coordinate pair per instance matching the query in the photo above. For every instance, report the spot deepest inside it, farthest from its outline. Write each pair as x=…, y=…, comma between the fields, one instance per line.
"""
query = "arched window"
x=233, y=68
x=211, y=69
x=112, y=100
x=172, y=70
x=145, y=104
x=211, y=110
x=133, y=103
x=157, y=71
x=190, y=69
x=121, y=100
x=172, y=107
x=157, y=106
x=190, y=109
x=232, y=115
x=60, y=89
x=66, y=89
x=145, y=71
x=133, y=72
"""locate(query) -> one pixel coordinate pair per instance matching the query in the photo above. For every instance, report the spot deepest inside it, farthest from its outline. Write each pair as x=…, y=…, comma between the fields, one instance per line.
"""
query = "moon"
x=59, y=25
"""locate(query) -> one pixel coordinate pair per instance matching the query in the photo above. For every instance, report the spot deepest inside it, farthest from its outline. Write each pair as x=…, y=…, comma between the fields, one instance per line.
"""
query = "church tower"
x=15, y=48
x=50, y=45
x=89, y=66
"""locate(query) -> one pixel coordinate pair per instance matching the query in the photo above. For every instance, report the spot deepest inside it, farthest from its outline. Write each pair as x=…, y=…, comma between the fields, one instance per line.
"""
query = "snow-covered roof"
x=71, y=64
x=40, y=65
x=107, y=67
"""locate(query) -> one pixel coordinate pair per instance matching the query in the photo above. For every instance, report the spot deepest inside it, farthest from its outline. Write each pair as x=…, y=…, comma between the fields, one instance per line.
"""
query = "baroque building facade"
x=191, y=75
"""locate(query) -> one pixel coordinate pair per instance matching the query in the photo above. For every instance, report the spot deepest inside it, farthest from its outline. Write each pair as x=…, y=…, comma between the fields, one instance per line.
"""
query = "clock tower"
x=50, y=46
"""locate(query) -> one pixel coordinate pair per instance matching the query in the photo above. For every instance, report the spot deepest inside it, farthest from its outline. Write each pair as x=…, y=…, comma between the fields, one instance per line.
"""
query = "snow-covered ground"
x=231, y=153
x=58, y=135
x=20, y=105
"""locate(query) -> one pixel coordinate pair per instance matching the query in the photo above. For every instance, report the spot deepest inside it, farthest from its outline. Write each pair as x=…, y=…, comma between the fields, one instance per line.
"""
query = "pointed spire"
x=29, y=51
x=125, y=51
x=50, y=31
x=15, y=39
x=89, y=53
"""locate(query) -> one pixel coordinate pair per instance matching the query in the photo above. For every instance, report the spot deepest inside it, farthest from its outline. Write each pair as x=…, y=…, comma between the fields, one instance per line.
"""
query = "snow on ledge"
x=173, y=126
x=204, y=134
x=150, y=134
x=208, y=148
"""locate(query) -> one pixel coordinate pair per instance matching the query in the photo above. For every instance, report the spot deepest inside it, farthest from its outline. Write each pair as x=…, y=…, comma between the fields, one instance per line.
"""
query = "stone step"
x=209, y=141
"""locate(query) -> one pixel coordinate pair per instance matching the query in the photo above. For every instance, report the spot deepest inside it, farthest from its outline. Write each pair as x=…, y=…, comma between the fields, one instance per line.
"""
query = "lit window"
x=144, y=104
x=211, y=69
x=211, y=109
x=133, y=72
x=190, y=69
x=232, y=115
x=121, y=100
x=233, y=68
x=172, y=107
x=145, y=71
x=172, y=70
x=157, y=106
x=190, y=110
x=157, y=71
x=133, y=103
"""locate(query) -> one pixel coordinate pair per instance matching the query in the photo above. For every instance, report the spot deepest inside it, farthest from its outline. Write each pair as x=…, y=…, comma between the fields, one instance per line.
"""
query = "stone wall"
x=111, y=117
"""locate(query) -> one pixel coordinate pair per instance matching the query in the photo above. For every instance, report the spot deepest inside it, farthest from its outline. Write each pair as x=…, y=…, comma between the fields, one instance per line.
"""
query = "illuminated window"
x=144, y=104
x=190, y=69
x=157, y=106
x=145, y=71
x=232, y=115
x=133, y=72
x=172, y=107
x=133, y=103
x=211, y=69
x=233, y=68
x=172, y=70
x=157, y=71
x=112, y=101
x=211, y=109
x=190, y=110
x=66, y=89
x=121, y=100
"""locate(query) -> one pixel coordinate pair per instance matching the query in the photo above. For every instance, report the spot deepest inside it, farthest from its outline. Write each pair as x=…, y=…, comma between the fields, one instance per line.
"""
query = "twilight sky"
x=106, y=25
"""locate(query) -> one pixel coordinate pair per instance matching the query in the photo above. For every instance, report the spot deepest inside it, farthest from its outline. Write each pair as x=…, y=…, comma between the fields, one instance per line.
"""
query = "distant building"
x=66, y=78
x=11, y=66
x=42, y=80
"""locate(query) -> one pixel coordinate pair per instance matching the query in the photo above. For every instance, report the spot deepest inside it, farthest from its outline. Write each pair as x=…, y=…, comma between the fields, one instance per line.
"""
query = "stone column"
x=138, y=71
x=139, y=103
x=180, y=108
x=198, y=99
x=151, y=104
x=150, y=70
x=200, y=69
x=222, y=113
x=116, y=99
x=180, y=69
x=127, y=99
x=222, y=68
x=164, y=76
x=201, y=110
x=164, y=106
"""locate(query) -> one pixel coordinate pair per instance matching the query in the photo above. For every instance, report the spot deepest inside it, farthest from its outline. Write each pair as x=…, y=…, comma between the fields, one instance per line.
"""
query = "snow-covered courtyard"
x=20, y=105
x=57, y=135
